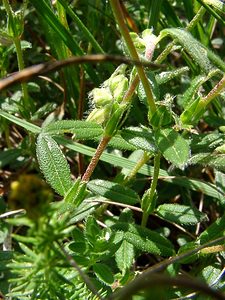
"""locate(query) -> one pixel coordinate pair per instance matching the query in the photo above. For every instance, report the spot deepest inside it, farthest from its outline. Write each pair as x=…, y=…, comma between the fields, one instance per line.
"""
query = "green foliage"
x=133, y=156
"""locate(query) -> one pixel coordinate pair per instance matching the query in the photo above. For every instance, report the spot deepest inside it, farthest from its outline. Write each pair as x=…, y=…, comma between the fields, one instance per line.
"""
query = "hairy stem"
x=95, y=159
x=118, y=13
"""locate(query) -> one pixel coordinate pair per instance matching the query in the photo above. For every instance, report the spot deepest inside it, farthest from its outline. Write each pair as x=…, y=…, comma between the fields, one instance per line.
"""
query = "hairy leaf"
x=125, y=256
x=144, y=239
x=82, y=129
x=140, y=137
x=104, y=273
x=173, y=146
x=113, y=191
x=215, y=230
x=194, y=48
x=180, y=214
x=53, y=164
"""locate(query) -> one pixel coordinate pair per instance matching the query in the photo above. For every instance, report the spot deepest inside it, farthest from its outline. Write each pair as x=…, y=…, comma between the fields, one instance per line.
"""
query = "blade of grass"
x=45, y=11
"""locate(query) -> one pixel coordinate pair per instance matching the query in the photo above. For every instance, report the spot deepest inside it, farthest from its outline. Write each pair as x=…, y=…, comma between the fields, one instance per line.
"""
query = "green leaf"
x=76, y=194
x=82, y=129
x=214, y=160
x=214, y=231
x=125, y=256
x=161, y=117
x=194, y=48
x=180, y=214
x=164, y=77
x=113, y=191
x=154, y=86
x=212, y=275
x=53, y=164
x=173, y=146
x=122, y=162
x=140, y=137
x=28, y=126
x=104, y=273
x=145, y=239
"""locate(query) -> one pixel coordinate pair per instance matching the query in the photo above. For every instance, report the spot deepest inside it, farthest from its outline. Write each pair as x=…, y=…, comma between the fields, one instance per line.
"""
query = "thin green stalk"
x=152, y=188
x=20, y=60
x=19, y=53
x=145, y=158
x=117, y=11
x=189, y=27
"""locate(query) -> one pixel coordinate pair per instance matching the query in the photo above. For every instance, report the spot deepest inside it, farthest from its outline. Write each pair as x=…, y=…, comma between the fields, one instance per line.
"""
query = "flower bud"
x=99, y=115
x=118, y=86
x=101, y=96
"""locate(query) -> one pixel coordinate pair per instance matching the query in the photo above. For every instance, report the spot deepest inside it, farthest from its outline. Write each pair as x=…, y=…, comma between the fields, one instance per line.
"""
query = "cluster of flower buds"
x=108, y=97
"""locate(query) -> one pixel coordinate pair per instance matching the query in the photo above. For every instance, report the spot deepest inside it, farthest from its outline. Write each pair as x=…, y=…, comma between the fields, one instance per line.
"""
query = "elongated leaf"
x=113, y=191
x=145, y=239
x=104, y=273
x=140, y=137
x=164, y=77
x=125, y=256
x=26, y=125
x=43, y=8
x=214, y=160
x=173, y=146
x=122, y=162
x=180, y=214
x=53, y=164
x=192, y=46
x=76, y=194
x=214, y=231
x=82, y=129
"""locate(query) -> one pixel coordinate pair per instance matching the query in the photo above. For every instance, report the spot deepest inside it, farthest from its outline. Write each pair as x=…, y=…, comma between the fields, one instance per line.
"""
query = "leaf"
x=113, y=191
x=145, y=239
x=53, y=164
x=140, y=137
x=209, y=141
x=104, y=273
x=154, y=87
x=173, y=146
x=122, y=162
x=215, y=230
x=76, y=194
x=214, y=160
x=82, y=129
x=164, y=77
x=125, y=256
x=26, y=125
x=180, y=214
x=212, y=275
x=193, y=47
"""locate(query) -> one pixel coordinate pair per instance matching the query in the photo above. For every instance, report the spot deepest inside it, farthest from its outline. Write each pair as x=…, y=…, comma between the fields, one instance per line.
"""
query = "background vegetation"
x=112, y=170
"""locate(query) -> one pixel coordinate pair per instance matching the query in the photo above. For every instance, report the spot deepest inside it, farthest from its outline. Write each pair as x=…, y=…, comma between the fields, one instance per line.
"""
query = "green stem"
x=152, y=188
x=20, y=61
x=117, y=11
x=19, y=53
